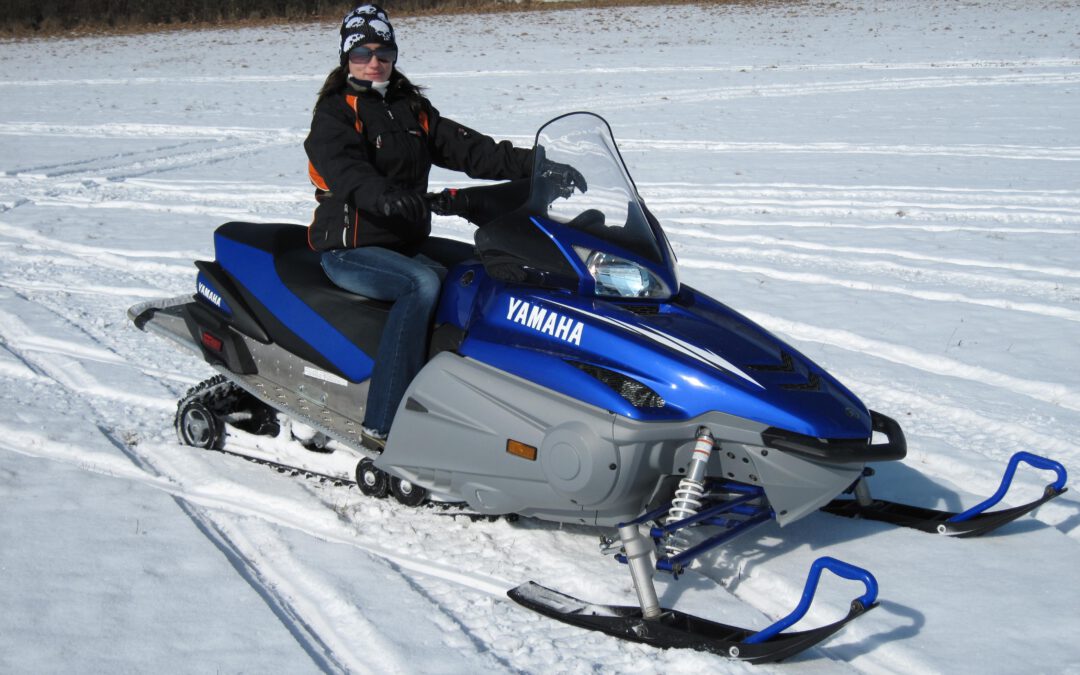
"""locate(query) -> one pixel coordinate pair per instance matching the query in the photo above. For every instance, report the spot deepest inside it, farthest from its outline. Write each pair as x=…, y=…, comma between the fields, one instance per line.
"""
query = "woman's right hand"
x=406, y=204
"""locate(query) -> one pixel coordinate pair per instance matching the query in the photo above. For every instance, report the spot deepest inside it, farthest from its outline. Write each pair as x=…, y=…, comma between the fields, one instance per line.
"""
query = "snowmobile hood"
x=661, y=360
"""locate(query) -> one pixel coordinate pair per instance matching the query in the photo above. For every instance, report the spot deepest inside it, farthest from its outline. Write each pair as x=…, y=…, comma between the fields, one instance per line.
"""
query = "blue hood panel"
x=697, y=354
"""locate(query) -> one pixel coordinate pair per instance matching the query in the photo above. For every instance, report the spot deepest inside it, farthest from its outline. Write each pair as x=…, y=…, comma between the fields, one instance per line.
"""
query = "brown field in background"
x=38, y=18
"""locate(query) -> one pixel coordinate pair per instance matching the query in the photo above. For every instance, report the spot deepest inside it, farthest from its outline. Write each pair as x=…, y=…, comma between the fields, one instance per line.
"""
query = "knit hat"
x=366, y=24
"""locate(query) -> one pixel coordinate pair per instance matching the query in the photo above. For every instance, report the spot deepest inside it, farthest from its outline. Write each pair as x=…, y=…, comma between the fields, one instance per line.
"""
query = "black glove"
x=448, y=203
x=564, y=176
x=404, y=204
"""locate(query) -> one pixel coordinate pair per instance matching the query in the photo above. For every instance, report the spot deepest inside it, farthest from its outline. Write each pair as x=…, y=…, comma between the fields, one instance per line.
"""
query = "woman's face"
x=365, y=62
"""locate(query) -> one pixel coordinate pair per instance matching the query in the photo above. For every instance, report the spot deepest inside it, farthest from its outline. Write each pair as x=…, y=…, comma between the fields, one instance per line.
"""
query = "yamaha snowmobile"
x=571, y=378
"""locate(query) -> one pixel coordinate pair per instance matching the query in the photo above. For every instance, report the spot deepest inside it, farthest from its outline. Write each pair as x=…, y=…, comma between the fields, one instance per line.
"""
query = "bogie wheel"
x=372, y=481
x=406, y=492
x=198, y=427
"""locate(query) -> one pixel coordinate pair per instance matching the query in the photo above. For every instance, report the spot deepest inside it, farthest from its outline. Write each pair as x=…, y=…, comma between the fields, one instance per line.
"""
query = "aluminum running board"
x=316, y=403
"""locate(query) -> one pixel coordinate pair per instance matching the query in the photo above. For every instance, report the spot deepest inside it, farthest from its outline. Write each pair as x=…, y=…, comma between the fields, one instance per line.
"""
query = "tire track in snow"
x=979, y=151
x=110, y=256
x=83, y=369
x=131, y=261
x=1048, y=392
x=933, y=66
x=870, y=226
x=163, y=473
x=951, y=422
x=736, y=92
x=876, y=193
x=983, y=219
x=138, y=130
x=603, y=71
x=863, y=251
x=241, y=524
x=1062, y=207
x=1039, y=309
x=55, y=170
x=244, y=557
x=228, y=144
x=326, y=634
x=289, y=136
x=779, y=258
x=249, y=202
x=253, y=571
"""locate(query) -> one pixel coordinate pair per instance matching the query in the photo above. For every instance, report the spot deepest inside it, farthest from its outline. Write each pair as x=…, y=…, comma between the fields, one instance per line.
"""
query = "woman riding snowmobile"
x=374, y=138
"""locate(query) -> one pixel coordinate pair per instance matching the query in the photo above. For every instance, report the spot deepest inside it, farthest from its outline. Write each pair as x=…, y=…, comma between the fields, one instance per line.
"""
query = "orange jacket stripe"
x=352, y=101
x=316, y=179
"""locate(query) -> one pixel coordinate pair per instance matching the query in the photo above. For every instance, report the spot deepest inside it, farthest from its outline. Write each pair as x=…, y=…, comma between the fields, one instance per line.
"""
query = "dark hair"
x=399, y=84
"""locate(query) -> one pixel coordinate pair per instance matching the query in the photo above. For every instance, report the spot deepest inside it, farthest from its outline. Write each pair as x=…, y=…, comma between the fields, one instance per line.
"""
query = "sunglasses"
x=360, y=55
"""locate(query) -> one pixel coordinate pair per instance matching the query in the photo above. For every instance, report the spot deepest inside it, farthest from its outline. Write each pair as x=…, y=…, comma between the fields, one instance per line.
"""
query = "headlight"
x=615, y=276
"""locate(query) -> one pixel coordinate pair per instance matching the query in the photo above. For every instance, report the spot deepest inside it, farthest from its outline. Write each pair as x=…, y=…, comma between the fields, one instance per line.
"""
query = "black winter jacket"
x=361, y=145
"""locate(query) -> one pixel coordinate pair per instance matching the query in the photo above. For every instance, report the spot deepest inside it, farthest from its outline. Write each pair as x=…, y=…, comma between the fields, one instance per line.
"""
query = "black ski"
x=674, y=629
x=974, y=522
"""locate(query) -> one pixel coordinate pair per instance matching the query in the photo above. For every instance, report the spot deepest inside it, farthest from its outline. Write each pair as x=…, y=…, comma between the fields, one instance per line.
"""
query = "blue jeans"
x=413, y=284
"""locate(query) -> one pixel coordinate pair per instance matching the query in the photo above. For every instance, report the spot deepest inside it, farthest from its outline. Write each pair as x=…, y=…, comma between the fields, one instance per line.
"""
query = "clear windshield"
x=581, y=175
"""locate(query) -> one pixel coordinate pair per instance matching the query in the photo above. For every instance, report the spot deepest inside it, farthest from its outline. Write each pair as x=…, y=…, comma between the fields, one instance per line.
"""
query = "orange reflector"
x=211, y=342
x=519, y=449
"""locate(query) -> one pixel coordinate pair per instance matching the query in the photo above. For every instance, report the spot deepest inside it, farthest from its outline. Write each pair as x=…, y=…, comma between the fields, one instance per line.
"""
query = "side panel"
x=215, y=290
x=451, y=433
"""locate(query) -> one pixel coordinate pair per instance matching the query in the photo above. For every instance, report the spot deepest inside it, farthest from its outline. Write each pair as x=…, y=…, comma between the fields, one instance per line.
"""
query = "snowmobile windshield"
x=584, y=226
x=579, y=176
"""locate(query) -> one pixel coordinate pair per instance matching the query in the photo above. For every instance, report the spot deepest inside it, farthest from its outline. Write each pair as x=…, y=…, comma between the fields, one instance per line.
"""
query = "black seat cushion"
x=279, y=277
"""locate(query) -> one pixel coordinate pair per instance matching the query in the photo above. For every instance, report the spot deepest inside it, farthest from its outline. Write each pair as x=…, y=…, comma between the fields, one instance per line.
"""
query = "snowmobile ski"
x=974, y=522
x=674, y=629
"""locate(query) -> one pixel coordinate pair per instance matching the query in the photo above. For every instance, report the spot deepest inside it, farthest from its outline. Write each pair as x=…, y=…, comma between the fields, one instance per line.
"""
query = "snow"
x=891, y=186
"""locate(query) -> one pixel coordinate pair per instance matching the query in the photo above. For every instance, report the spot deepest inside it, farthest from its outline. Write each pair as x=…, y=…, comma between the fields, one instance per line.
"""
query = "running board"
x=319, y=402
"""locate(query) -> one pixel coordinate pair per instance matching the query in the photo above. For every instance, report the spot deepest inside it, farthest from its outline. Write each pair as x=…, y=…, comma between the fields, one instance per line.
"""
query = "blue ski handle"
x=837, y=567
x=1006, y=482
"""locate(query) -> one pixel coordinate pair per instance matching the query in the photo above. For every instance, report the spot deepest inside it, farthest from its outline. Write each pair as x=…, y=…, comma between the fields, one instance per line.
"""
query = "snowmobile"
x=571, y=378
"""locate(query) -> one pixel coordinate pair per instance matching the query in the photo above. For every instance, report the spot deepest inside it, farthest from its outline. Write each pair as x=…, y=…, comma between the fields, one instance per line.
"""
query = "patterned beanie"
x=366, y=24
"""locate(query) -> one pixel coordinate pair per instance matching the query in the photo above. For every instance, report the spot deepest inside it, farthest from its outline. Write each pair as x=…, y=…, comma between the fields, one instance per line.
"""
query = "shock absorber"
x=691, y=490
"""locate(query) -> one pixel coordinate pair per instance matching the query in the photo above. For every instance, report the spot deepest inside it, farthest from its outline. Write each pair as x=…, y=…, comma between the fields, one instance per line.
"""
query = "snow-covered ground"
x=893, y=186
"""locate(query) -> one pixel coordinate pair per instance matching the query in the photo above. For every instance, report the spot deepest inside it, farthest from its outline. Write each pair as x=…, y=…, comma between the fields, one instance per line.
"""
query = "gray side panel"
x=797, y=487
x=452, y=431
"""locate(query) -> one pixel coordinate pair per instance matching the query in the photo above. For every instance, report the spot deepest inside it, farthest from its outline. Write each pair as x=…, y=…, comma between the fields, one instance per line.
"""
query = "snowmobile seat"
x=280, y=279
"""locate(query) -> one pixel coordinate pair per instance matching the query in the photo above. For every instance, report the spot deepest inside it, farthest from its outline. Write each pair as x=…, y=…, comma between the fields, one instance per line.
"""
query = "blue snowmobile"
x=571, y=378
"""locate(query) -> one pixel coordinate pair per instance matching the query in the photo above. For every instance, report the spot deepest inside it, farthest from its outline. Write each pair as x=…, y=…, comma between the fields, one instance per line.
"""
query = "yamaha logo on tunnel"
x=207, y=292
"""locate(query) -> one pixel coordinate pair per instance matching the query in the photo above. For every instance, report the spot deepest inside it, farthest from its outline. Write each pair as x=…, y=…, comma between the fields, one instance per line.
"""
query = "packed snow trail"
x=892, y=188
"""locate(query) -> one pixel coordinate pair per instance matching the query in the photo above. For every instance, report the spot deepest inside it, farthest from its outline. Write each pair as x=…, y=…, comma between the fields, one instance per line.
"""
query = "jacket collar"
x=355, y=86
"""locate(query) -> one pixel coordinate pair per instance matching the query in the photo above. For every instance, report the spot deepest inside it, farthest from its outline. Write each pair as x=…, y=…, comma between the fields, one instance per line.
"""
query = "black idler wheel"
x=406, y=492
x=371, y=480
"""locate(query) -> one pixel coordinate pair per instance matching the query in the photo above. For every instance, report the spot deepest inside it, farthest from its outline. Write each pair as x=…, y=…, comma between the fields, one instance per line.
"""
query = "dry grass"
x=51, y=27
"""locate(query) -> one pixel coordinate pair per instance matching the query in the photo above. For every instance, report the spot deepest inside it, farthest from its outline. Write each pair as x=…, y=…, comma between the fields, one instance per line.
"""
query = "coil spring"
x=687, y=502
